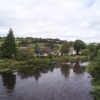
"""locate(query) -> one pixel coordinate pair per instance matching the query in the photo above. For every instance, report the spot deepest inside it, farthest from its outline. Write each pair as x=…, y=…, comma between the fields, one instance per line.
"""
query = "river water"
x=66, y=81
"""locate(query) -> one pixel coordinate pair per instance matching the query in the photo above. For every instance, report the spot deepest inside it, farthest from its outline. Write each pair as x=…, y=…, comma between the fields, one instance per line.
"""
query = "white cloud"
x=64, y=19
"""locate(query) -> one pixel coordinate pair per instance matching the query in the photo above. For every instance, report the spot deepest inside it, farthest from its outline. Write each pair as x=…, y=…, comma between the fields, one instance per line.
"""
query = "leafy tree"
x=23, y=43
x=37, y=49
x=86, y=52
x=98, y=46
x=9, y=47
x=65, y=47
x=22, y=54
x=93, y=50
x=71, y=43
x=45, y=51
x=79, y=45
x=31, y=53
x=50, y=45
x=94, y=70
x=56, y=47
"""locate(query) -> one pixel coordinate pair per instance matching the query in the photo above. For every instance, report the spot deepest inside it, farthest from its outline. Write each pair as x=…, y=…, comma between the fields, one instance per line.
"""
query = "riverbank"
x=94, y=70
x=10, y=64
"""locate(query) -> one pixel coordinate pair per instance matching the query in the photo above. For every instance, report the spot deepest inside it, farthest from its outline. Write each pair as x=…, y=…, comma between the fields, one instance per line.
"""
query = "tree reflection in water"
x=9, y=80
x=65, y=69
x=35, y=72
x=29, y=72
x=78, y=68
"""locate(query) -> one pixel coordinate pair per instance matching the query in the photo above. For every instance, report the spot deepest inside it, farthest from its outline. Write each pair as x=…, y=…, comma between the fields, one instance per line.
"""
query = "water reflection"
x=65, y=69
x=35, y=72
x=24, y=74
x=78, y=68
x=47, y=83
x=9, y=80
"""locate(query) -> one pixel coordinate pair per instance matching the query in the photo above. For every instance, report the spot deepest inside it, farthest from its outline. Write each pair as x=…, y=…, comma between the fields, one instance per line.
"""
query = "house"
x=46, y=50
x=72, y=51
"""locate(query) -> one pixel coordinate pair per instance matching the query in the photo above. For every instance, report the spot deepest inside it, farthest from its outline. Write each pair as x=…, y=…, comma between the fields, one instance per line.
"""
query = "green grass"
x=16, y=41
x=39, y=44
x=42, y=44
x=11, y=65
x=1, y=42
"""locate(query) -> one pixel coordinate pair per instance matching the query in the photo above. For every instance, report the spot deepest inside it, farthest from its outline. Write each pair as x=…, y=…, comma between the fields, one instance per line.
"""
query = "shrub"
x=94, y=70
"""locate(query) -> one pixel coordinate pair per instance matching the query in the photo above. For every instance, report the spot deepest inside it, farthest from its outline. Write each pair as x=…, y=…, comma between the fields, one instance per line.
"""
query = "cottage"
x=72, y=51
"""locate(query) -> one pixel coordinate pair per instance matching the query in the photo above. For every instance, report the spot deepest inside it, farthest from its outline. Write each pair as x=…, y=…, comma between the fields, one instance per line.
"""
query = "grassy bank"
x=10, y=64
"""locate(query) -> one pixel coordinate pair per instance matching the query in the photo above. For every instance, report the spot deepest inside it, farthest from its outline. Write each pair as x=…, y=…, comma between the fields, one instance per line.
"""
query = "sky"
x=63, y=19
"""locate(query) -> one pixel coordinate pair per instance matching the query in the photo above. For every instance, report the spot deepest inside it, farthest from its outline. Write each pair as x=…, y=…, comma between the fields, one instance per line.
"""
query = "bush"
x=96, y=92
x=38, y=61
x=94, y=70
x=22, y=54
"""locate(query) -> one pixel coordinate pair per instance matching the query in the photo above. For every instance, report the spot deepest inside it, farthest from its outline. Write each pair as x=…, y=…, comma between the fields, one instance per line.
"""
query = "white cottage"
x=72, y=51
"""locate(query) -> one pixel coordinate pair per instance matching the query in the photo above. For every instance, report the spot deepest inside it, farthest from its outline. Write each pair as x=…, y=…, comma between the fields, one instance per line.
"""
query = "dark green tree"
x=65, y=47
x=50, y=45
x=37, y=49
x=93, y=50
x=79, y=45
x=94, y=70
x=9, y=47
x=98, y=46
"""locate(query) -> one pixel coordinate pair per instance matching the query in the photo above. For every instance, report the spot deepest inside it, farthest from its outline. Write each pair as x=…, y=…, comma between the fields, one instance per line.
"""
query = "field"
x=17, y=41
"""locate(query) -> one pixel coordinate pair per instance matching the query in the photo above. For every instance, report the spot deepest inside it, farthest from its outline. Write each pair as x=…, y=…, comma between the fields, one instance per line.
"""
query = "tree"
x=79, y=45
x=31, y=53
x=22, y=54
x=23, y=43
x=98, y=46
x=65, y=47
x=37, y=49
x=9, y=47
x=94, y=70
x=93, y=50
x=86, y=52
x=50, y=45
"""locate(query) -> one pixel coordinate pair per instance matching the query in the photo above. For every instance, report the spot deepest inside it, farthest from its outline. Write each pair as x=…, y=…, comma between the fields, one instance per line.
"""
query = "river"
x=66, y=81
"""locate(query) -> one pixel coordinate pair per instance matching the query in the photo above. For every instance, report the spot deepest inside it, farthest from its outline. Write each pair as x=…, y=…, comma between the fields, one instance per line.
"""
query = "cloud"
x=64, y=19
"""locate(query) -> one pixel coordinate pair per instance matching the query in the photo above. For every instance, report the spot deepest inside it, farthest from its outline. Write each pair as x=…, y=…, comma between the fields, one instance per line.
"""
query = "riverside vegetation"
x=94, y=70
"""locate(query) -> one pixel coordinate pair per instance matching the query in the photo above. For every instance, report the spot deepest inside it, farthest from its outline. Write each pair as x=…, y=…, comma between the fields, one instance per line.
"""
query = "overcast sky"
x=63, y=19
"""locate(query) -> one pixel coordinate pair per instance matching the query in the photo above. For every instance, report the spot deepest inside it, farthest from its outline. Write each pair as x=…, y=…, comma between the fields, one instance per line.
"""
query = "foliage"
x=94, y=70
x=31, y=53
x=96, y=92
x=37, y=49
x=23, y=43
x=93, y=50
x=36, y=61
x=86, y=52
x=98, y=46
x=94, y=67
x=56, y=47
x=22, y=54
x=9, y=47
x=45, y=51
x=7, y=65
x=50, y=45
x=79, y=45
x=50, y=55
x=65, y=47
x=71, y=43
